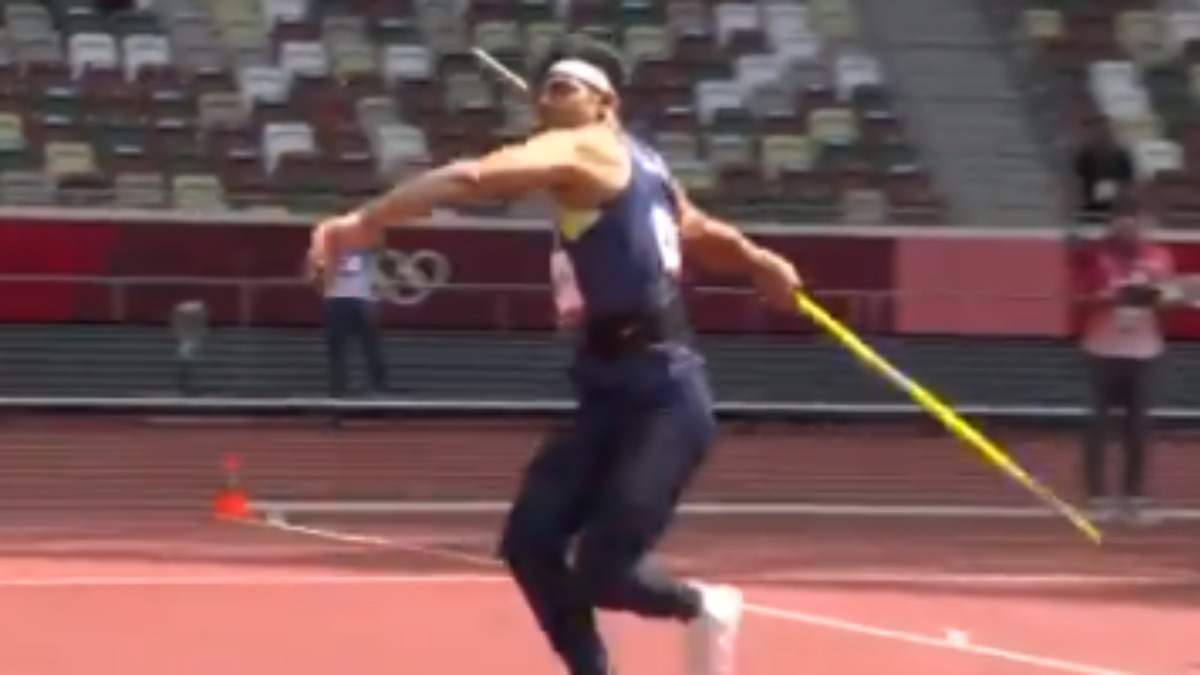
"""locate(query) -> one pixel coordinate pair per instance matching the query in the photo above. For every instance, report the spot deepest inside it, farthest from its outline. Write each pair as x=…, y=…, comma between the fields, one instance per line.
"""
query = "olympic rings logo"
x=409, y=279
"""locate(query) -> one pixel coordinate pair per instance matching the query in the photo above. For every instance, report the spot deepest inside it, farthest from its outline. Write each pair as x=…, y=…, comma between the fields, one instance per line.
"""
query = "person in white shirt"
x=350, y=318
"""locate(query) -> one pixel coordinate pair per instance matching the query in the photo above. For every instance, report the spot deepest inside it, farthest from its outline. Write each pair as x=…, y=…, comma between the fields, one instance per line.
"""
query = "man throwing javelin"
x=611, y=480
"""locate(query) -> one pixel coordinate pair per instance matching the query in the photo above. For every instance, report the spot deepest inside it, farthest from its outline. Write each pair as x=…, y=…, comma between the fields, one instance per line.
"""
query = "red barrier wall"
x=233, y=251
x=882, y=280
x=981, y=286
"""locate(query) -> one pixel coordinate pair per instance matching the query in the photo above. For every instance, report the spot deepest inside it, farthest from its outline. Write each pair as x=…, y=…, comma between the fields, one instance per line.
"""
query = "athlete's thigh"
x=659, y=450
x=559, y=487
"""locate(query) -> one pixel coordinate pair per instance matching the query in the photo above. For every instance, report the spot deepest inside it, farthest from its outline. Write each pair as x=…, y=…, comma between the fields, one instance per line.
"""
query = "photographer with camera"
x=1122, y=289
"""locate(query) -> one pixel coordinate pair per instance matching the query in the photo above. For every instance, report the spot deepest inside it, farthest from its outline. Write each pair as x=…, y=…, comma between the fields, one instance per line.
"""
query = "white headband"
x=584, y=72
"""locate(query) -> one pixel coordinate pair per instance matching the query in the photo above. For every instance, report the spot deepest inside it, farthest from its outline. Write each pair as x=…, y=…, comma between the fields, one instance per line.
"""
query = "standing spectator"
x=1104, y=174
x=189, y=322
x=1121, y=286
x=350, y=317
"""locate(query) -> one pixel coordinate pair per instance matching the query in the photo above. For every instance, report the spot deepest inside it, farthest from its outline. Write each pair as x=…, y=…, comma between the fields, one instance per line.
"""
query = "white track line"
x=433, y=577
x=226, y=580
x=1023, y=658
x=968, y=579
x=779, y=613
x=372, y=541
x=955, y=636
x=916, y=578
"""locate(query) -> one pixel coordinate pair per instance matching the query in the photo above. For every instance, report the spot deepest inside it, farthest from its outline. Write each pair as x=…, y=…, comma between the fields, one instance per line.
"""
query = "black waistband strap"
x=612, y=335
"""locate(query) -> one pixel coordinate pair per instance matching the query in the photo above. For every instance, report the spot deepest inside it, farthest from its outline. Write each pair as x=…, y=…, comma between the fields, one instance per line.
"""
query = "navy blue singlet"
x=626, y=257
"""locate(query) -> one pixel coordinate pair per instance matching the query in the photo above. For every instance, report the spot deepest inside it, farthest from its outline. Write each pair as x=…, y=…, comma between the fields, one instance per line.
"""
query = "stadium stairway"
x=958, y=93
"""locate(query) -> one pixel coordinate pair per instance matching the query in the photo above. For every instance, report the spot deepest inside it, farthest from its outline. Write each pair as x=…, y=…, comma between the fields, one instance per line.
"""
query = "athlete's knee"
x=609, y=558
x=526, y=542
x=605, y=580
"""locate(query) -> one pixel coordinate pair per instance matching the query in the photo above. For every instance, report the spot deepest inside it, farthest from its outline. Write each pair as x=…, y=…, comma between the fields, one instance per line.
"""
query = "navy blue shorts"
x=614, y=474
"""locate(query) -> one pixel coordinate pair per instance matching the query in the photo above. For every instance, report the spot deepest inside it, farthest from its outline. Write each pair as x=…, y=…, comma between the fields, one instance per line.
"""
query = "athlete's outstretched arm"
x=546, y=161
x=543, y=162
x=721, y=248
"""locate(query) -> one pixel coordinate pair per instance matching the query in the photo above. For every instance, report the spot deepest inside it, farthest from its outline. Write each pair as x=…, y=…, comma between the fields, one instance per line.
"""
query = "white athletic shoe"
x=712, y=635
x=1102, y=509
x=1135, y=511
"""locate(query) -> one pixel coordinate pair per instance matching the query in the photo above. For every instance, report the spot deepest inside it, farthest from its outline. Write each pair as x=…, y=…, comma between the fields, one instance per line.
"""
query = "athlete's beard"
x=559, y=119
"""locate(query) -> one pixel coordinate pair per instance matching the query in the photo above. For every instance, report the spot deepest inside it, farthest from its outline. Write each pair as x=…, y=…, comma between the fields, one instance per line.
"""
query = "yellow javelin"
x=946, y=415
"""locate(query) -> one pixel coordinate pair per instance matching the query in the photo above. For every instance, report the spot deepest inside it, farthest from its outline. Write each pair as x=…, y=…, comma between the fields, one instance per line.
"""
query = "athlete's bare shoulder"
x=603, y=164
x=586, y=144
x=551, y=140
x=599, y=138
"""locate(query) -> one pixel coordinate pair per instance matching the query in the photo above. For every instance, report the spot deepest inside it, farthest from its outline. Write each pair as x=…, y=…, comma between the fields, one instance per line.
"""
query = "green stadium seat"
x=740, y=96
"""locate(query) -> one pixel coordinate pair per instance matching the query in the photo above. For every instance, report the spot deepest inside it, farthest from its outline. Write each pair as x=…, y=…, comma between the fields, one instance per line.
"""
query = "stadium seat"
x=197, y=192
x=1131, y=64
x=26, y=188
x=27, y=19
x=787, y=152
x=275, y=12
x=144, y=51
x=140, y=191
x=284, y=138
x=768, y=109
x=12, y=134
x=403, y=62
x=92, y=50
x=221, y=108
x=397, y=146
x=69, y=159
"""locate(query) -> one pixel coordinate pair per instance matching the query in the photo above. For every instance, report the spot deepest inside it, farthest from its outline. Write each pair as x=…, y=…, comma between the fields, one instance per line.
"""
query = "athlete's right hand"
x=331, y=236
x=314, y=273
x=776, y=280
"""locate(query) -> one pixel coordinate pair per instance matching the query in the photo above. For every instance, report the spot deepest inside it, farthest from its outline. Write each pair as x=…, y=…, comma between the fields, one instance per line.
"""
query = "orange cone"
x=231, y=502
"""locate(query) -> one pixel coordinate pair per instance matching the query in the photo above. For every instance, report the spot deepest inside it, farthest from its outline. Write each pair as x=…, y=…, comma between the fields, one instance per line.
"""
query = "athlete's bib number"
x=1105, y=190
x=351, y=265
x=666, y=233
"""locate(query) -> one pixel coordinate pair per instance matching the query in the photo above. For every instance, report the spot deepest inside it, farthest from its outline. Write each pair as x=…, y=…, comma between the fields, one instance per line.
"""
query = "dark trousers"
x=1123, y=385
x=352, y=321
x=613, y=478
x=186, y=366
